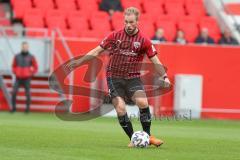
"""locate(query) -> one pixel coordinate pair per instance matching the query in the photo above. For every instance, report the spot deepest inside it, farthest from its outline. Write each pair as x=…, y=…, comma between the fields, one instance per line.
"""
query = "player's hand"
x=167, y=83
x=164, y=82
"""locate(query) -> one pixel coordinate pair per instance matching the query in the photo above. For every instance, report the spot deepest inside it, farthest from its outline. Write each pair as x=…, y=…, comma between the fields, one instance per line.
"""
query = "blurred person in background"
x=159, y=35
x=111, y=6
x=180, y=38
x=204, y=37
x=24, y=67
x=227, y=38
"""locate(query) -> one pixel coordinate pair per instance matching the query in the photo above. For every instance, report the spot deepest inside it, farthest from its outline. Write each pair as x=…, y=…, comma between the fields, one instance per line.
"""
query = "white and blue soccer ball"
x=140, y=139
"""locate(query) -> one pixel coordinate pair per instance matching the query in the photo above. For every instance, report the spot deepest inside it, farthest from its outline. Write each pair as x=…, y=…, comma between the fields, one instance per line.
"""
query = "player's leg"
x=138, y=95
x=123, y=118
x=140, y=99
x=26, y=84
x=117, y=94
x=14, y=94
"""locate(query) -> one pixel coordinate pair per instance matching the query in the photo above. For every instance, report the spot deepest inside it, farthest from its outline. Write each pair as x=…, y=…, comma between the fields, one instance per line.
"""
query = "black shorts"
x=124, y=88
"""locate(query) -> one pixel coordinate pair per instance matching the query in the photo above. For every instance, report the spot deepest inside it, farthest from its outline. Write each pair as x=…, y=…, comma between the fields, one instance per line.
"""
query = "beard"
x=130, y=31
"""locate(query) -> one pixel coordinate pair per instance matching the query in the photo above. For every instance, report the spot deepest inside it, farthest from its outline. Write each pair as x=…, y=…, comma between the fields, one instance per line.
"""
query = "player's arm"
x=159, y=68
x=90, y=55
x=152, y=55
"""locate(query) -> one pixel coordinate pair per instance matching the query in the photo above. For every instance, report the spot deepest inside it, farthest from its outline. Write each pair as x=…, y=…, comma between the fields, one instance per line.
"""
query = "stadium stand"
x=80, y=16
x=189, y=26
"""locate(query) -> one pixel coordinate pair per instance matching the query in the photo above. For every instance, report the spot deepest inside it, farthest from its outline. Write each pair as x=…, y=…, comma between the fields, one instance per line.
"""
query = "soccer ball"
x=140, y=139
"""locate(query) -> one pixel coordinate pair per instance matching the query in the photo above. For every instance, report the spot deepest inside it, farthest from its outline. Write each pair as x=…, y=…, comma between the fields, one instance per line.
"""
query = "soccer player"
x=127, y=48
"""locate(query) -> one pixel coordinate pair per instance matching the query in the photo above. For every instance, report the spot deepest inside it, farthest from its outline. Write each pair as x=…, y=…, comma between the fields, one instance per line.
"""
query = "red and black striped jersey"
x=126, y=53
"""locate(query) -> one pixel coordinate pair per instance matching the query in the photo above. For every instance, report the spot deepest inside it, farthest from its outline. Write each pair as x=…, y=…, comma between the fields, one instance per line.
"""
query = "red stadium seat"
x=117, y=20
x=33, y=11
x=117, y=15
x=20, y=7
x=151, y=2
x=44, y=5
x=175, y=1
x=188, y=19
x=100, y=15
x=77, y=13
x=89, y=9
x=69, y=33
x=132, y=3
x=93, y=34
x=61, y=2
x=100, y=24
x=169, y=28
x=117, y=24
x=145, y=17
x=195, y=9
x=78, y=23
x=100, y=21
x=171, y=18
x=56, y=13
x=198, y=2
x=190, y=29
x=175, y=9
x=153, y=8
x=147, y=30
x=56, y=22
x=90, y=2
x=152, y=17
x=70, y=5
x=16, y=3
x=88, y=5
x=33, y=18
x=208, y=21
x=147, y=20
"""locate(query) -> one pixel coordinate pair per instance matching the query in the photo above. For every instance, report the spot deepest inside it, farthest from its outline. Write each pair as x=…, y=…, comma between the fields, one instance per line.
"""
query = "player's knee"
x=141, y=102
x=120, y=109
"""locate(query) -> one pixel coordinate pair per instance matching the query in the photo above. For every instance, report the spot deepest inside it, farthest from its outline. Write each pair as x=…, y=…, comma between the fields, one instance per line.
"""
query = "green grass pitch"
x=44, y=137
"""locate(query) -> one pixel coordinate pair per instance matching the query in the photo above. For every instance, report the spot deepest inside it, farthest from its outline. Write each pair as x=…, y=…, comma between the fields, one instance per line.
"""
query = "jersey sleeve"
x=107, y=41
x=150, y=50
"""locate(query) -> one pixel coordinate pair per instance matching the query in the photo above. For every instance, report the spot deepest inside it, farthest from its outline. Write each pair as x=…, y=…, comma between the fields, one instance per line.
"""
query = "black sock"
x=126, y=125
x=145, y=118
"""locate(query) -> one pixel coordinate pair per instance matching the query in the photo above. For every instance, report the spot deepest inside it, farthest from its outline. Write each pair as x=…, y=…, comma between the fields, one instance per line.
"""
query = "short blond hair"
x=132, y=10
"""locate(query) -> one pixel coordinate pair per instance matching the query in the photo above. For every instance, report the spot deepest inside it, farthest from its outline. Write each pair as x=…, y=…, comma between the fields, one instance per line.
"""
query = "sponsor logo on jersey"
x=136, y=45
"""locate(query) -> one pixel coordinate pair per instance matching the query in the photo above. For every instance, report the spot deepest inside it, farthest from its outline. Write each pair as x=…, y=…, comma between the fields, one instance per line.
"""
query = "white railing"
x=10, y=42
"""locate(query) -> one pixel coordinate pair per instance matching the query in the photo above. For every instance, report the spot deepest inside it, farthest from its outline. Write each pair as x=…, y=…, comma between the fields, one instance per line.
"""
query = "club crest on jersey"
x=136, y=45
